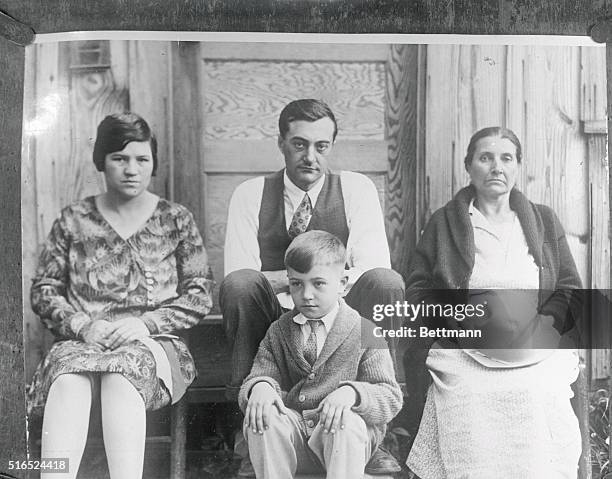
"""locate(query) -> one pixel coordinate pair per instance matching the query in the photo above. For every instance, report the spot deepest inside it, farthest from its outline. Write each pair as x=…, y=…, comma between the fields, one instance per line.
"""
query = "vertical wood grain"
x=480, y=92
x=600, y=244
x=50, y=100
x=402, y=129
x=441, y=101
x=593, y=88
x=515, y=106
x=554, y=147
x=187, y=126
x=94, y=94
x=35, y=341
x=149, y=96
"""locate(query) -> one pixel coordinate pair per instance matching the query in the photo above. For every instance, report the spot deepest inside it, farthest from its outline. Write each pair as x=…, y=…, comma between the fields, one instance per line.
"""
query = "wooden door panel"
x=244, y=98
x=258, y=156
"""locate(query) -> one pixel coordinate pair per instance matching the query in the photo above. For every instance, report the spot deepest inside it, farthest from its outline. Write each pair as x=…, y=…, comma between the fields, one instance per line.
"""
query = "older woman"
x=498, y=412
x=118, y=274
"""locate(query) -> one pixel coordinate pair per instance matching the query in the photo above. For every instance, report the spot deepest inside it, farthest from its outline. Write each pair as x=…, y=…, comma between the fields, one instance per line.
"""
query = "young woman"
x=118, y=274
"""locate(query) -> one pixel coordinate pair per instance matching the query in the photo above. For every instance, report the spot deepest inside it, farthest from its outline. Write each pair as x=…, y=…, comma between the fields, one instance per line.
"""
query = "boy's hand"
x=333, y=407
x=262, y=398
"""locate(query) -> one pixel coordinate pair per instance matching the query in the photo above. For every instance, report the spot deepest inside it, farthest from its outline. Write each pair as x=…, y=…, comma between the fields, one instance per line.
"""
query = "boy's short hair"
x=314, y=247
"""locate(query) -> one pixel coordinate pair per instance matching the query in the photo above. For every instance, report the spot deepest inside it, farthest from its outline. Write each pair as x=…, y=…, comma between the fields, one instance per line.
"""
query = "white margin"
x=366, y=38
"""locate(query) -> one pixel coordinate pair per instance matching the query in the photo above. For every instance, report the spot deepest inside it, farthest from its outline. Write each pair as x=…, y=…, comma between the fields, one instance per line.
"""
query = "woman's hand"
x=97, y=332
x=333, y=407
x=263, y=396
x=126, y=330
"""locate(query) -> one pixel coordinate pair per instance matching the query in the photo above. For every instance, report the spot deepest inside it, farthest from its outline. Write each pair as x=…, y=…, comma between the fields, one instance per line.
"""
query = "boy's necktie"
x=310, y=348
x=301, y=218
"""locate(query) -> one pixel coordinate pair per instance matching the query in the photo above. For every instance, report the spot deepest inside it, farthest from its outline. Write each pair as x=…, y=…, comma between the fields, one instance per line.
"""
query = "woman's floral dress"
x=88, y=272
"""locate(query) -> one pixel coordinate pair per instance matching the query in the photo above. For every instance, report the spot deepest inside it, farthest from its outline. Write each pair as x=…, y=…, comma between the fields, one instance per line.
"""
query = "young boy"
x=315, y=397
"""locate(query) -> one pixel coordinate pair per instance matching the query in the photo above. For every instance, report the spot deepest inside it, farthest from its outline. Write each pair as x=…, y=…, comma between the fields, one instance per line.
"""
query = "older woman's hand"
x=126, y=330
x=97, y=332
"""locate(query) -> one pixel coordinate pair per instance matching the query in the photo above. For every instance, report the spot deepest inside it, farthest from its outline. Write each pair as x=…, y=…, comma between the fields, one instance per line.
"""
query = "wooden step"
x=322, y=476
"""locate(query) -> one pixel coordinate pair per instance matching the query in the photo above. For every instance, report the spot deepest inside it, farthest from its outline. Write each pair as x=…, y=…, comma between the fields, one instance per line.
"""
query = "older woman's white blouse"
x=502, y=259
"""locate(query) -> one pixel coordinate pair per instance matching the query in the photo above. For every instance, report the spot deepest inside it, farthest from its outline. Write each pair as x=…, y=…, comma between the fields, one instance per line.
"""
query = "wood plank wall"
x=404, y=128
x=593, y=115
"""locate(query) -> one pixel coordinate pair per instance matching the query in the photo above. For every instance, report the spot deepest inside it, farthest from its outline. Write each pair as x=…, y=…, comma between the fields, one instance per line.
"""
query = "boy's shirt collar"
x=328, y=319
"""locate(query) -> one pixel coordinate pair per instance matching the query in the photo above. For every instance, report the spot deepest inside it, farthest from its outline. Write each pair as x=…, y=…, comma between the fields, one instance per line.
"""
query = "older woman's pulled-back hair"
x=314, y=247
x=306, y=109
x=116, y=131
x=493, y=131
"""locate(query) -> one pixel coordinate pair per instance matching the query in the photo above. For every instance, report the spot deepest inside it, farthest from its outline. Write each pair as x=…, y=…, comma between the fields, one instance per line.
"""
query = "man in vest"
x=266, y=213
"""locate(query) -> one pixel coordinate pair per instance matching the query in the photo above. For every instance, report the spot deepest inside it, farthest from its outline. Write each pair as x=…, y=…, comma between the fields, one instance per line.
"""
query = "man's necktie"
x=310, y=348
x=301, y=218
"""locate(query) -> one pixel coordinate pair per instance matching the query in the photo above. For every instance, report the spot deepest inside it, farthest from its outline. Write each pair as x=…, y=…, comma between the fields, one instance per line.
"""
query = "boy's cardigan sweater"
x=444, y=257
x=280, y=361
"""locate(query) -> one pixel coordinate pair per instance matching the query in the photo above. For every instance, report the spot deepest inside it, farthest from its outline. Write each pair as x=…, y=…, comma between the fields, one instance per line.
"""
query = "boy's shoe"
x=246, y=468
x=381, y=462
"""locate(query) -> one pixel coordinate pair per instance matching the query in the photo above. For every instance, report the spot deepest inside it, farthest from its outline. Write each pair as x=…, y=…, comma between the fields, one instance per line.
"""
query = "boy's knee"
x=275, y=423
x=354, y=423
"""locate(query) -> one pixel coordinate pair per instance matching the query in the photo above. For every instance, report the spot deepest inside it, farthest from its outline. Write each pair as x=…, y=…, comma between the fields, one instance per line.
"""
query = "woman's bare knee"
x=71, y=386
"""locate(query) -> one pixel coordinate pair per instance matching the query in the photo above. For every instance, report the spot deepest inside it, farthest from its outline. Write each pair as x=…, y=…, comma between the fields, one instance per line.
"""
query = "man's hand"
x=278, y=280
x=332, y=408
x=97, y=332
x=126, y=330
x=262, y=398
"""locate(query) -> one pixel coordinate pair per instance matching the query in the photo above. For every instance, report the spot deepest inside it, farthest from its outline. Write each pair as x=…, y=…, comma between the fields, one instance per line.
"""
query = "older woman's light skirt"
x=482, y=422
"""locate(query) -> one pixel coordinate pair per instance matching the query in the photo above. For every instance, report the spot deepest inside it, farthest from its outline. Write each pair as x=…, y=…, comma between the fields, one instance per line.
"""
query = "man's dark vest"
x=328, y=215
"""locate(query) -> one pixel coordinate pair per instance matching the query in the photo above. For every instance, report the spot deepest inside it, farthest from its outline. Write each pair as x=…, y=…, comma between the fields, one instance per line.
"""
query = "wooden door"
x=233, y=94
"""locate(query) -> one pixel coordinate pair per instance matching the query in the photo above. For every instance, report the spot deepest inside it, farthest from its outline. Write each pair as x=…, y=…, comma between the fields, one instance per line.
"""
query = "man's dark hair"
x=306, y=109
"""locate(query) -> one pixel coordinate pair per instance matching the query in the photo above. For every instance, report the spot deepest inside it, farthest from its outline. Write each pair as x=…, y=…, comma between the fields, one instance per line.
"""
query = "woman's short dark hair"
x=492, y=131
x=116, y=131
x=306, y=109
